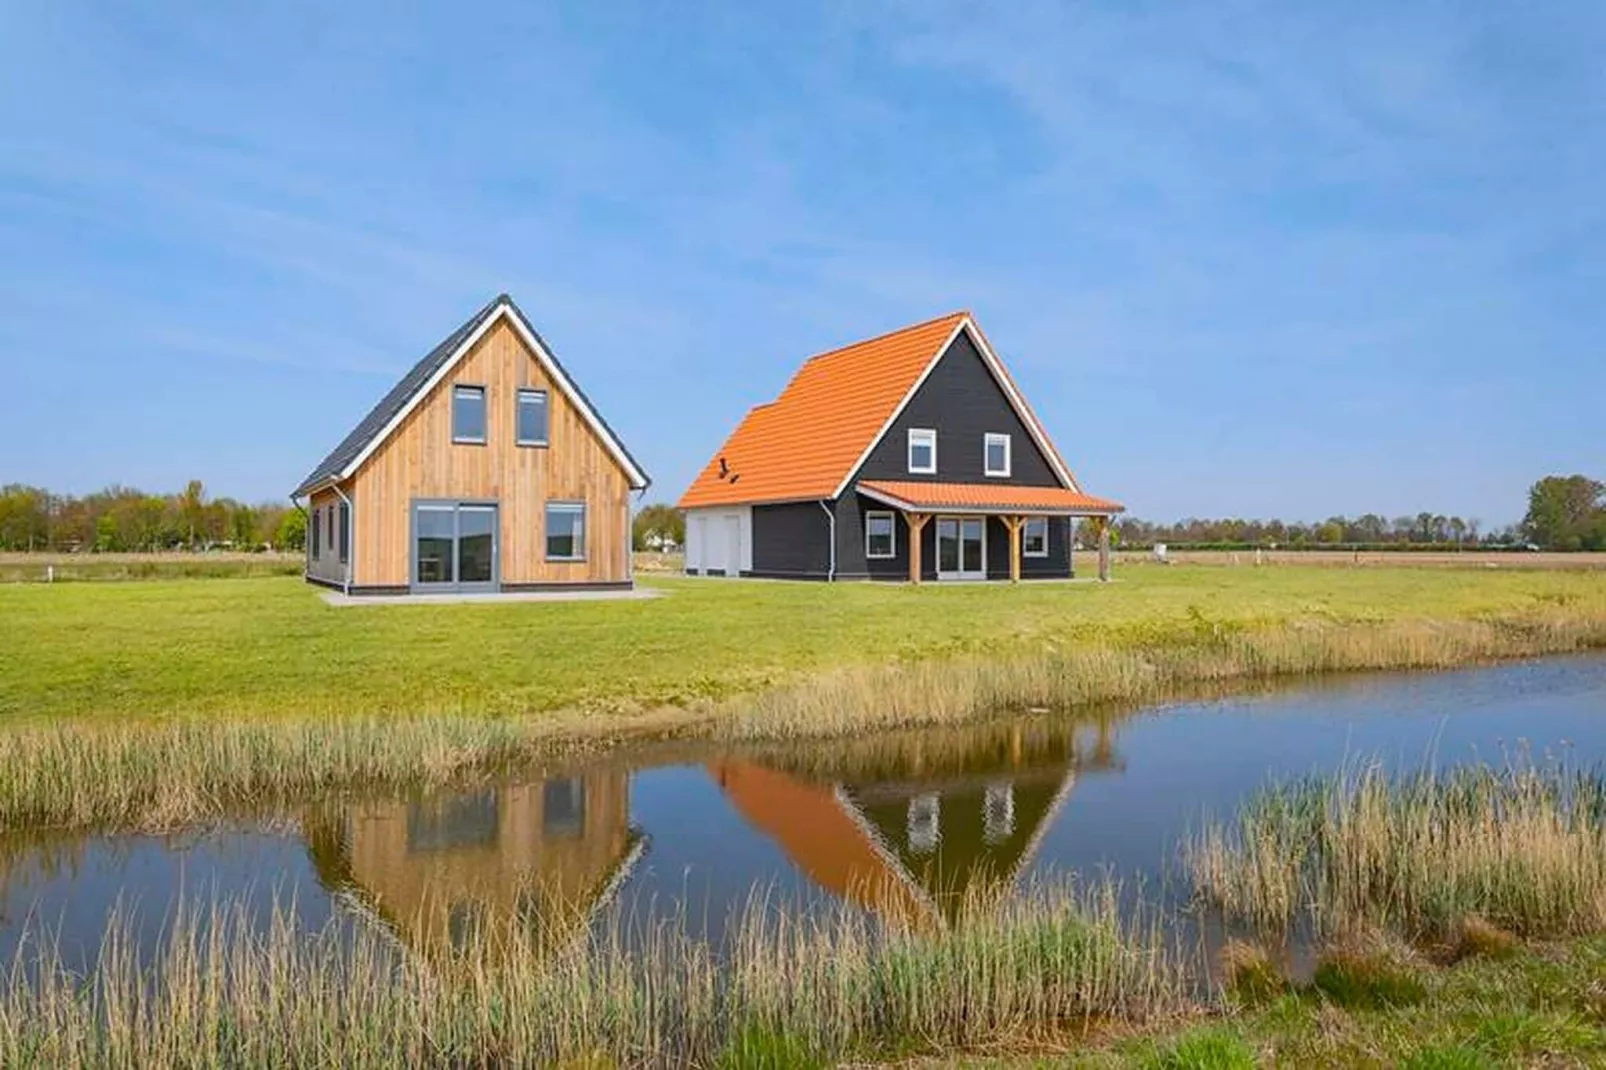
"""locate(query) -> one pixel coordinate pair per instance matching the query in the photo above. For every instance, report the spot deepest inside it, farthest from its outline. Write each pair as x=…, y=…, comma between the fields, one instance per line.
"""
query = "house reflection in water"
x=536, y=859
x=918, y=826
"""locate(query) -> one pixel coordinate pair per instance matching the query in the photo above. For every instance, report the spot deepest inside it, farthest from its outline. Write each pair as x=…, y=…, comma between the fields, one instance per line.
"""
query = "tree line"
x=1564, y=513
x=125, y=519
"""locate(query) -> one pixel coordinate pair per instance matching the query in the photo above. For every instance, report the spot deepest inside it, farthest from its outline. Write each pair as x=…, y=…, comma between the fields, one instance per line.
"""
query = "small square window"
x=996, y=450
x=532, y=418
x=1034, y=538
x=922, y=452
x=880, y=535
x=565, y=531
x=468, y=414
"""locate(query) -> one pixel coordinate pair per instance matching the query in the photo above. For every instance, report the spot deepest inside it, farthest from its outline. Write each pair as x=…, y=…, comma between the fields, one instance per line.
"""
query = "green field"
x=246, y=648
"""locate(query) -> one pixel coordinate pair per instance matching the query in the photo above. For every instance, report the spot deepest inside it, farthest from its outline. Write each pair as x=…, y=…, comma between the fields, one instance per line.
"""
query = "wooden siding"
x=419, y=460
x=962, y=402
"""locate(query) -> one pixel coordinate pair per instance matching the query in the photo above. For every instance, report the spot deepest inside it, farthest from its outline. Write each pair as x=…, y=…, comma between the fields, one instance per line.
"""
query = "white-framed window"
x=468, y=414
x=530, y=418
x=1034, y=537
x=565, y=531
x=922, y=451
x=880, y=535
x=995, y=453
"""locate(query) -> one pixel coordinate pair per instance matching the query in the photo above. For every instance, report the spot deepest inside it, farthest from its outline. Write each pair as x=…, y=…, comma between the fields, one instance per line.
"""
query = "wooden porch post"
x=917, y=524
x=1014, y=524
x=1104, y=549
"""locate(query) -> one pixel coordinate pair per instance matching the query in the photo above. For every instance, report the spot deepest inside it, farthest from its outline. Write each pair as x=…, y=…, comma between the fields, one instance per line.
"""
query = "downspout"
x=830, y=519
x=351, y=539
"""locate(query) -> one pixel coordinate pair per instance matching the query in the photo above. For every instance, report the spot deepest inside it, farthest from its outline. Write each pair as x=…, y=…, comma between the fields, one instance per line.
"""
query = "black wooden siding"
x=791, y=541
x=963, y=402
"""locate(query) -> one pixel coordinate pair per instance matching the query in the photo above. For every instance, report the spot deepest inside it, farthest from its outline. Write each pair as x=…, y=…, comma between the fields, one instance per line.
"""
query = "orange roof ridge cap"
x=888, y=334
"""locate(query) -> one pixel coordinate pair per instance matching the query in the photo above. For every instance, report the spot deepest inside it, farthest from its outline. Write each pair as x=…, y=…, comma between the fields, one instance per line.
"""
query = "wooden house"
x=484, y=469
x=453, y=872
x=913, y=456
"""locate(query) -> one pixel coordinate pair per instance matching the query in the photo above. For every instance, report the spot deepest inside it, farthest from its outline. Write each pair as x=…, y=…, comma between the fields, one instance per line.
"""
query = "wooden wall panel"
x=420, y=460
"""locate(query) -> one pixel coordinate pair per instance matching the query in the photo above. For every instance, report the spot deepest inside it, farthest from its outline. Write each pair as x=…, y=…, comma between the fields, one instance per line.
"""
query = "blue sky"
x=1251, y=259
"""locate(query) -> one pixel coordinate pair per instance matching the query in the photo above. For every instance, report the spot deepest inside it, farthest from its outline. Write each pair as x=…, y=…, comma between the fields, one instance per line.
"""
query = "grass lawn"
x=270, y=646
x=1543, y=1006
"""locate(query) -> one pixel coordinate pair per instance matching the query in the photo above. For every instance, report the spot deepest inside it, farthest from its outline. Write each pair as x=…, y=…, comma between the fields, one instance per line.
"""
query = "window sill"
x=468, y=442
x=566, y=560
x=532, y=445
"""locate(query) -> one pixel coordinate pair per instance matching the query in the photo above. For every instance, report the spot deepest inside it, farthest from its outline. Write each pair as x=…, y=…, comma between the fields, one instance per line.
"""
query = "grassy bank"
x=116, y=568
x=272, y=648
x=223, y=991
x=183, y=700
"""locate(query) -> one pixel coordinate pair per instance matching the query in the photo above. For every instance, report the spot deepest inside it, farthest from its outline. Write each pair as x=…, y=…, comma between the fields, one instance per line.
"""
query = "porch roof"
x=987, y=498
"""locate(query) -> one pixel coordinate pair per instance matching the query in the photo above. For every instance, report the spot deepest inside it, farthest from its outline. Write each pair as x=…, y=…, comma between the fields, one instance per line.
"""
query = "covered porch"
x=967, y=531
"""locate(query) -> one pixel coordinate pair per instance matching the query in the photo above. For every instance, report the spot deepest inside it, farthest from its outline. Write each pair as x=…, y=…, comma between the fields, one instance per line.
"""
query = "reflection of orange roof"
x=990, y=497
x=805, y=443
x=818, y=834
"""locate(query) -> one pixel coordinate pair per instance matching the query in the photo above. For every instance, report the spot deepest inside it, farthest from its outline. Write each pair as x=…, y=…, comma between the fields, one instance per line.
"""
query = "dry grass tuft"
x=1249, y=973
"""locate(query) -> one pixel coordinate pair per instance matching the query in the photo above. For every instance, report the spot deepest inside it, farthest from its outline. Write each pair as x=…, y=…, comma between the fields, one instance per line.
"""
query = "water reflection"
x=444, y=870
x=913, y=826
x=918, y=825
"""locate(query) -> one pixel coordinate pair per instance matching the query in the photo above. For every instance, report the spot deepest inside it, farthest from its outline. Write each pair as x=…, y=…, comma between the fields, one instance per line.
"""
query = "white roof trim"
x=984, y=510
x=996, y=369
x=638, y=478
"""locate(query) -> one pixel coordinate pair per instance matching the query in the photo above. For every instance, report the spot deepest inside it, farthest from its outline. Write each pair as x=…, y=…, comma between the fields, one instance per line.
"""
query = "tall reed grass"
x=850, y=701
x=1521, y=846
x=225, y=991
x=160, y=773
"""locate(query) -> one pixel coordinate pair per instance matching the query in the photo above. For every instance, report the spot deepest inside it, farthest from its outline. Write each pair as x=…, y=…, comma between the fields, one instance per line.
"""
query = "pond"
x=913, y=821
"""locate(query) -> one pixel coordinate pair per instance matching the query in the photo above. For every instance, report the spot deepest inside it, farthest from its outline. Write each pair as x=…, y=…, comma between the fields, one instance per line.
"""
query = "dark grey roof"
x=403, y=392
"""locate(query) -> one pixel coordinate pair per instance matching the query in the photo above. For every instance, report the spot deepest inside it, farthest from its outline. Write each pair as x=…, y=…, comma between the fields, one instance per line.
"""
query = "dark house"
x=911, y=456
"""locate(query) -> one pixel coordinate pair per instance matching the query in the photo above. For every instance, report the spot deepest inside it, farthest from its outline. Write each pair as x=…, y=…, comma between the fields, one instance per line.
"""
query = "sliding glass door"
x=961, y=548
x=454, y=546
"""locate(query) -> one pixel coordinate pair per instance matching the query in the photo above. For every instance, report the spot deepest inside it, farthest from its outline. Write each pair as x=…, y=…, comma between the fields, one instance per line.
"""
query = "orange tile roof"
x=806, y=442
x=996, y=497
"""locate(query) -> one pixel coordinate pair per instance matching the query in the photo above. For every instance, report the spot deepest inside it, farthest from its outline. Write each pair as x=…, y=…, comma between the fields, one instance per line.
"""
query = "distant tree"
x=192, y=510
x=1565, y=513
x=663, y=521
x=292, y=531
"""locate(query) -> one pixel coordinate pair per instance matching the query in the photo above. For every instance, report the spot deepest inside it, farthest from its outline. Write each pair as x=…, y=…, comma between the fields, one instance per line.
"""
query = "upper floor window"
x=532, y=421
x=922, y=452
x=468, y=414
x=1034, y=537
x=996, y=451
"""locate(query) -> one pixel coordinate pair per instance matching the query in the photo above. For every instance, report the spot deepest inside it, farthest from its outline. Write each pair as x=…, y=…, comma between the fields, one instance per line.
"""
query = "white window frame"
x=892, y=518
x=519, y=397
x=922, y=435
x=987, y=443
x=485, y=415
x=571, y=507
x=1029, y=522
